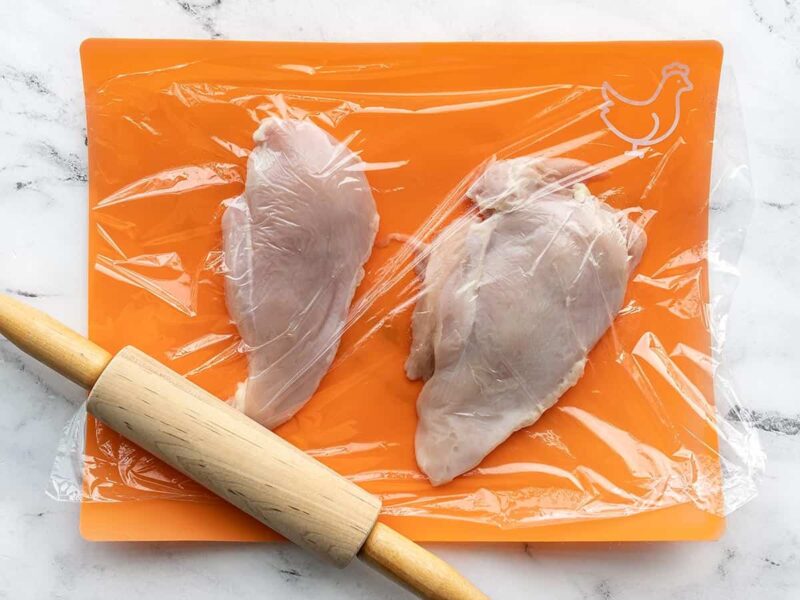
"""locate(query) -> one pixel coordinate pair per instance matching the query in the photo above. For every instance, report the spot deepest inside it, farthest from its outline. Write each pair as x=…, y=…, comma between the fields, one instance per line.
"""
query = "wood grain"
x=51, y=342
x=415, y=568
x=233, y=456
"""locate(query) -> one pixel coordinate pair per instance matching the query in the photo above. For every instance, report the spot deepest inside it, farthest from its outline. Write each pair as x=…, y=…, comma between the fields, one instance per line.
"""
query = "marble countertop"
x=42, y=259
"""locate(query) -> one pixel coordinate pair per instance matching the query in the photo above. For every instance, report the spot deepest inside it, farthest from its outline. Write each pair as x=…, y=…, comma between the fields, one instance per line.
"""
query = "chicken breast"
x=510, y=307
x=294, y=248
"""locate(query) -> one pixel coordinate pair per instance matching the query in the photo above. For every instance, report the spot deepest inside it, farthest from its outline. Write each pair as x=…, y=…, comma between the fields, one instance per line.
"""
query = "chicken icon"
x=647, y=122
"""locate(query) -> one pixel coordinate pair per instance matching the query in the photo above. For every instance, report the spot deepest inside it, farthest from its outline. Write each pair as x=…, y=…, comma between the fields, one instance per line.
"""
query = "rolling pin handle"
x=51, y=342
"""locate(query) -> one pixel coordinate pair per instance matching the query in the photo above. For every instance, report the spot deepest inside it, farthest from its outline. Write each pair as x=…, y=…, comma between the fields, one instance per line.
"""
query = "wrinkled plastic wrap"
x=324, y=236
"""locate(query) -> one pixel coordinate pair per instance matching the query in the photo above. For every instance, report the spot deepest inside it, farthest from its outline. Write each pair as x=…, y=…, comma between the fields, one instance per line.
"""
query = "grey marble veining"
x=43, y=245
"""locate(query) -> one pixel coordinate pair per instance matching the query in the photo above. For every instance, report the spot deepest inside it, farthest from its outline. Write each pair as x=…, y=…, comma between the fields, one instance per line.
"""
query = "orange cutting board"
x=630, y=453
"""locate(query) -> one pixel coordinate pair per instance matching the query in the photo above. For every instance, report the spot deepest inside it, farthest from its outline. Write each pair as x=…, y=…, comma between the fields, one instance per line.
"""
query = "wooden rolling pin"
x=233, y=456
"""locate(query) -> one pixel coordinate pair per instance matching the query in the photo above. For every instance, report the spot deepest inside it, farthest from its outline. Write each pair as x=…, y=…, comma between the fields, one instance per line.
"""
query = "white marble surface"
x=42, y=258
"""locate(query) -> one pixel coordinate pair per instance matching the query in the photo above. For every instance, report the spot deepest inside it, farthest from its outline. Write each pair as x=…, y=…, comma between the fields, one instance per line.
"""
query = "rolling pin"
x=231, y=455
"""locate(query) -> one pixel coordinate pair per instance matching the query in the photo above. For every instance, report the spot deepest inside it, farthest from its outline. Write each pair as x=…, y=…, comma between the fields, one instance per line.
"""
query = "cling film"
x=637, y=432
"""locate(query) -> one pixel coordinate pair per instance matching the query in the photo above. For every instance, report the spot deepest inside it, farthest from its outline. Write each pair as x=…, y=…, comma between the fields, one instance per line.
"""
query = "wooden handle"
x=415, y=568
x=231, y=455
x=51, y=342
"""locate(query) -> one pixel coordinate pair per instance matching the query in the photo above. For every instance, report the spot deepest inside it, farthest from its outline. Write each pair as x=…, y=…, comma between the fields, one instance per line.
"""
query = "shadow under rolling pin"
x=231, y=455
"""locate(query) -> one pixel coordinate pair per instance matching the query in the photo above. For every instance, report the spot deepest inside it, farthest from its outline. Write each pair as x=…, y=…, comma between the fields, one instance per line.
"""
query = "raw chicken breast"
x=294, y=244
x=511, y=305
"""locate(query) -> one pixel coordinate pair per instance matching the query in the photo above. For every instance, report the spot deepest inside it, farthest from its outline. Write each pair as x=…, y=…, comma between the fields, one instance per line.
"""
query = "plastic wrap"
x=552, y=237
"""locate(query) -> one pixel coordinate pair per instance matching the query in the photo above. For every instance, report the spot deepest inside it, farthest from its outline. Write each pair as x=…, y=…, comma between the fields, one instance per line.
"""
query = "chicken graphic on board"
x=647, y=122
